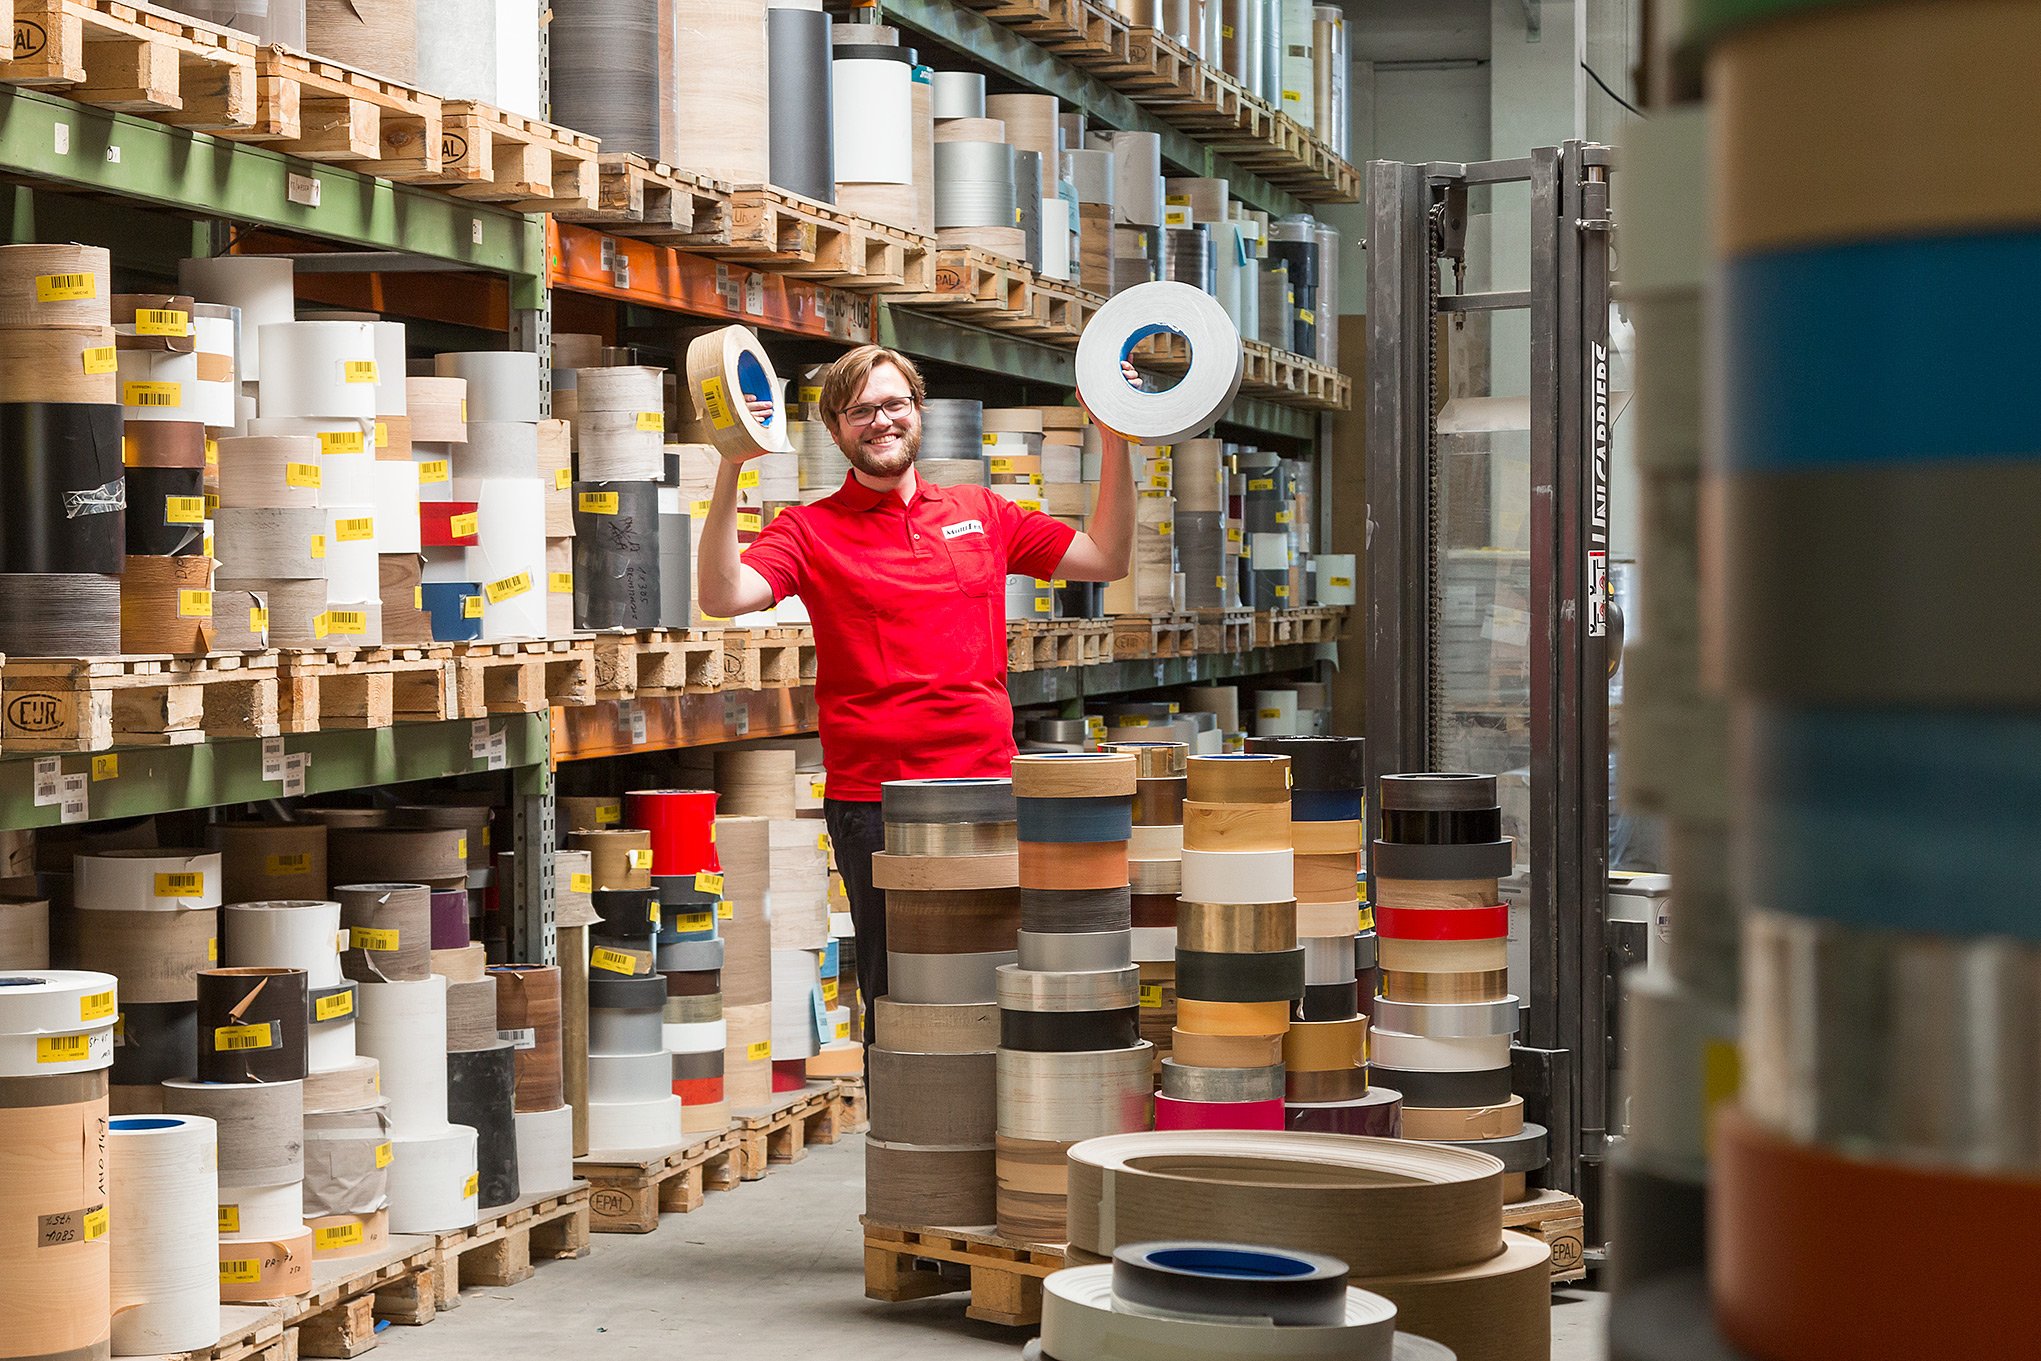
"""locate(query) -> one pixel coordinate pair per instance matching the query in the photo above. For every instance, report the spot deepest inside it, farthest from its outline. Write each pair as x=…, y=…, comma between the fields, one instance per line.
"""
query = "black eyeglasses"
x=893, y=408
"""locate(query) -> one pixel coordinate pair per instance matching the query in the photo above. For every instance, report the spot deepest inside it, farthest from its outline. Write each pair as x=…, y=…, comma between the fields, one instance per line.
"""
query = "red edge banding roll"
x=682, y=825
x=1442, y=923
x=698, y=1091
x=435, y=523
x=1171, y=1113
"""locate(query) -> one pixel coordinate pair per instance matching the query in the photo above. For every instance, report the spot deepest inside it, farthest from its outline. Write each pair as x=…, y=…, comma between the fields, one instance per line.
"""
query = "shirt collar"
x=855, y=495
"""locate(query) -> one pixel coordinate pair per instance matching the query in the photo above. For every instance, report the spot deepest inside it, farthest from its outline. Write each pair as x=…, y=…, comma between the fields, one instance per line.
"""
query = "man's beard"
x=891, y=464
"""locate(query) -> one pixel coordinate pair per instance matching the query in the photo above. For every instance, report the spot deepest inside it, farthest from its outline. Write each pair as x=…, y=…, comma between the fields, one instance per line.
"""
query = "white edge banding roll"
x=1206, y=390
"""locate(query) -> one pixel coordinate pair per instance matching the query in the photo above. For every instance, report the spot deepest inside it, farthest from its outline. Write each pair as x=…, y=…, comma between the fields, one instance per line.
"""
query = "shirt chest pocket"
x=978, y=567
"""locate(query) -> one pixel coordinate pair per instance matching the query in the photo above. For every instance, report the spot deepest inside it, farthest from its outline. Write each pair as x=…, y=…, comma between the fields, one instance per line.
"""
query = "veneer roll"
x=389, y=928
x=528, y=1008
x=253, y=1025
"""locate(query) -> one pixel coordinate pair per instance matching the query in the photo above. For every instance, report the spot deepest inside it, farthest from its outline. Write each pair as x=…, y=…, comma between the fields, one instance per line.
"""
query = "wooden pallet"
x=1320, y=623
x=778, y=658
x=492, y=155
x=1556, y=1220
x=522, y=677
x=1267, y=372
x=977, y=284
x=1154, y=635
x=630, y=1189
x=61, y=704
x=848, y=1108
x=331, y=113
x=779, y=1133
x=500, y=1248
x=775, y=229
x=1003, y=1276
x=652, y=201
x=338, y=1317
x=663, y=661
x=134, y=58
x=1225, y=630
x=369, y=687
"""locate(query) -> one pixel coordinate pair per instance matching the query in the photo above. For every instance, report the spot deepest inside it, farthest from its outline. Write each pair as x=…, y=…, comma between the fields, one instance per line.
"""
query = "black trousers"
x=856, y=832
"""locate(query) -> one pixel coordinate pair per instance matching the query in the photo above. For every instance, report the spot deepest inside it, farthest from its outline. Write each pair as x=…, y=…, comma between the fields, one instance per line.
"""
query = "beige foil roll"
x=747, y=955
x=747, y=1056
x=438, y=409
x=721, y=103
x=334, y=818
x=462, y=964
x=58, y=364
x=155, y=955
x=1032, y=1195
x=556, y=456
x=166, y=605
x=405, y=622
x=55, y=1254
x=1031, y=126
x=257, y=1269
x=354, y=1084
x=970, y=130
x=572, y=880
x=722, y=367
x=389, y=929
x=470, y=1010
x=25, y=933
x=755, y=781
x=270, y=471
x=618, y=858
x=64, y=285
x=393, y=438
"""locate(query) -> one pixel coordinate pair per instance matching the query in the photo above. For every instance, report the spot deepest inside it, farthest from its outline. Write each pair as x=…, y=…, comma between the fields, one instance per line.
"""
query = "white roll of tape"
x=1206, y=389
x=56, y=1021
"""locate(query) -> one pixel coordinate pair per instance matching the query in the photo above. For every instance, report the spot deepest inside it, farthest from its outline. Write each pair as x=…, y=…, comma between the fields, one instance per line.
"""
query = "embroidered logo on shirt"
x=963, y=527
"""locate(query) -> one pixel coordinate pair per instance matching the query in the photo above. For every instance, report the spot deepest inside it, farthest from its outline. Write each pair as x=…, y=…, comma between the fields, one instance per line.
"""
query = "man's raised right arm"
x=725, y=586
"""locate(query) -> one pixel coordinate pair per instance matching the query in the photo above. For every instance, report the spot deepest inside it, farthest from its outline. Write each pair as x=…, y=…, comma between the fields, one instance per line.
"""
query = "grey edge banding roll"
x=1439, y=792
x=1077, y=909
x=803, y=154
x=1091, y=990
x=946, y=978
x=1075, y=951
x=1448, y=1020
x=932, y=1098
x=959, y=800
x=1524, y=1151
x=1182, y=1082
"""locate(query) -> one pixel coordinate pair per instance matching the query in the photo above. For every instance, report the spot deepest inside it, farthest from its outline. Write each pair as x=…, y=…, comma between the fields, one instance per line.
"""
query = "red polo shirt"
x=909, y=609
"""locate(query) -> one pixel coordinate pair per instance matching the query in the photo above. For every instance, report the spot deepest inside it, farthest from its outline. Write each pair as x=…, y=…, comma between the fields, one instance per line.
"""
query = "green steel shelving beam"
x=1016, y=56
x=1114, y=678
x=52, y=139
x=229, y=770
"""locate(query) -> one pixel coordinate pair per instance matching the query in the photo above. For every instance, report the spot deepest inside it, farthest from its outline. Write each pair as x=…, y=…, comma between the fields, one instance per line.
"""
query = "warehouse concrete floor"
x=773, y=1269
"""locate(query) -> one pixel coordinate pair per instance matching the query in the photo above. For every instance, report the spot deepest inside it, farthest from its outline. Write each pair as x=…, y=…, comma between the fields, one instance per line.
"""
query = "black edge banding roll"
x=1439, y=791
x=1523, y=1151
x=253, y=1025
x=62, y=490
x=151, y=531
x=676, y=548
x=616, y=556
x=798, y=93
x=1317, y=763
x=1441, y=827
x=1422, y=1087
x=481, y=1089
x=627, y=914
x=72, y=614
x=1475, y=860
x=1265, y=976
x=1332, y=1001
x=1069, y=1032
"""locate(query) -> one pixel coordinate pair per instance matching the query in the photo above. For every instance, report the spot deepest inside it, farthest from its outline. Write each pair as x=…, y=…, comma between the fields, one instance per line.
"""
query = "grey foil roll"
x=480, y=1093
x=959, y=94
x=974, y=184
x=59, y=615
x=1027, y=203
x=616, y=557
x=603, y=62
x=675, y=588
x=404, y=911
x=803, y=152
x=953, y=427
x=342, y=1175
x=62, y=490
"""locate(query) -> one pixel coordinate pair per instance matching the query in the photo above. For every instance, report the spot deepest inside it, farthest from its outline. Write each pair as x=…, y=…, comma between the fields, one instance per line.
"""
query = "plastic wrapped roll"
x=616, y=555
x=347, y=1155
x=62, y=482
x=480, y=1087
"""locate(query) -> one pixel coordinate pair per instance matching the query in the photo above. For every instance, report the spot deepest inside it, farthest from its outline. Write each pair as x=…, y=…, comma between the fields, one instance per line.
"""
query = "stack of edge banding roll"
x=687, y=877
x=63, y=541
x=1071, y=1064
x=528, y=1019
x=1885, y=706
x=949, y=873
x=1219, y=1301
x=1418, y=1224
x=631, y=1102
x=56, y=1043
x=1155, y=880
x=1325, y=1055
x=1443, y=1024
x=346, y=1124
x=1239, y=970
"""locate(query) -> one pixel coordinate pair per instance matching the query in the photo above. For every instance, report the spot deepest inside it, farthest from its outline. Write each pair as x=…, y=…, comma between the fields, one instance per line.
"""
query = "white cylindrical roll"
x=157, y=386
x=695, y=1037
x=432, y=1174
x=395, y=1019
x=498, y=449
x=162, y=1192
x=1056, y=238
x=1332, y=578
x=545, y=1151
x=317, y=369
x=640, y=1124
x=216, y=328
x=1238, y=876
x=1217, y=363
x=1137, y=175
x=260, y=285
x=628, y=1078
x=509, y=555
x=958, y=94
x=396, y=506
x=503, y=385
x=353, y=574
x=147, y=880
x=392, y=387
x=338, y=436
x=286, y=934
x=331, y=1045
x=619, y=428
x=1275, y=713
x=261, y=1211
x=1438, y=1053
x=873, y=107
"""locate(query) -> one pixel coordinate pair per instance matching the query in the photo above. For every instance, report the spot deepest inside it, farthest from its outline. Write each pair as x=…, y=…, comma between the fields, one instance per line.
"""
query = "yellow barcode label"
x=318, y=546
x=708, y=883
x=508, y=588
x=240, y=1271
x=359, y=370
x=759, y=1049
x=65, y=287
x=212, y=504
x=333, y=1006
x=830, y=989
x=186, y=884
x=726, y=910
x=560, y=583
x=461, y=848
x=347, y=621
x=1233, y=536
x=384, y=1153
x=606, y=813
x=100, y=359
x=999, y=465
x=697, y=510
x=213, y=950
x=417, y=597
x=297, y=863
x=1164, y=527
x=342, y=441
x=95, y=1006
x=581, y=883
x=694, y=921
x=258, y=619
x=596, y=503
x=1029, y=505
x=469, y=1187
x=1043, y=605
x=161, y=321
x=816, y=786
x=301, y=474
x=229, y=1039
x=106, y=767
x=1151, y=995
x=194, y=604
x=747, y=480
x=1261, y=484
x=1340, y=583
x=751, y=520
x=717, y=403
x=212, y=453
x=652, y=421
x=335, y=1236
x=614, y=961
x=1133, y=721
x=843, y=1030
x=639, y=858
x=1284, y=517
x=1307, y=316
x=465, y=526
x=152, y=394
x=1282, y=592
x=563, y=479
x=1270, y=713
x=373, y=938
x=355, y=529
x=184, y=510
x=63, y=1048
x=230, y=1219
x=382, y=434
x=433, y=470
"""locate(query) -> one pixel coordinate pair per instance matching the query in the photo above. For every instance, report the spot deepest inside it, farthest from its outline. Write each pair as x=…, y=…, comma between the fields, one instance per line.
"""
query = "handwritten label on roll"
x=71, y=1226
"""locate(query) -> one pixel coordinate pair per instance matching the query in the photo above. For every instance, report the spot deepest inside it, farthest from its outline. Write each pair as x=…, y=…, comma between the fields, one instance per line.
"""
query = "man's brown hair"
x=846, y=378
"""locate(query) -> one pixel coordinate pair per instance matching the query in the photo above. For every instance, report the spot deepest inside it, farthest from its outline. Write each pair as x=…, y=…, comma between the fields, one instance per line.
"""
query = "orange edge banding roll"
x=1073, y=864
x=1805, y=1263
x=1232, y=1018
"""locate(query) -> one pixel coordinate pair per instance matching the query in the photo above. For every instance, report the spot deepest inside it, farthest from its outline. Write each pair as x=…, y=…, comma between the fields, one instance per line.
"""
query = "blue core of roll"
x=1230, y=1262
x=751, y=380
x=1128, y=345
x=142, y=1122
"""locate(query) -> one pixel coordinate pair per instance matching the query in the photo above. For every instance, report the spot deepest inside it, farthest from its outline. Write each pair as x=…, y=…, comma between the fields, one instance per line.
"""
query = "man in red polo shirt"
x=906, y=584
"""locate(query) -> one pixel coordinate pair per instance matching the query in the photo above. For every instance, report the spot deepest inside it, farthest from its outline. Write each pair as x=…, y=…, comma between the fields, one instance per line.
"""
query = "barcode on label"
x=65, y=287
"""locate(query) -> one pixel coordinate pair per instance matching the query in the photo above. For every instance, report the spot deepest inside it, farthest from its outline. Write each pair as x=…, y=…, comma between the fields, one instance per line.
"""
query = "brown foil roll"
x=528, y=999
x=253, y=1025
x=1032, y=1195
x=747, y=956
x=1332, y=1084
x=389, y=930
x=161, y=332
x=1104, y=775
x=617, y=857
x=1236, y=928
x=25, y=933
x=59, y=364
x=405, y=621
x=944, y=1099
x=163, y=444
x=1326, y=878
x=1327, y=838
x=910, y=1185
x=1198, y=1050
x=166, y=605
x=1158, y=802
x=1238, y=779
x=57, y=1253
x=1073, y=864
x=472, y=821
x=576, y=813
x=1152, y=760
x=747, y=1080
x=1236, y=826
x=271, y=861
x=157, y=956
x=950, y=923
x=1436, y=892
x=1446, y=985
x=436, y=856
x=336, y=818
